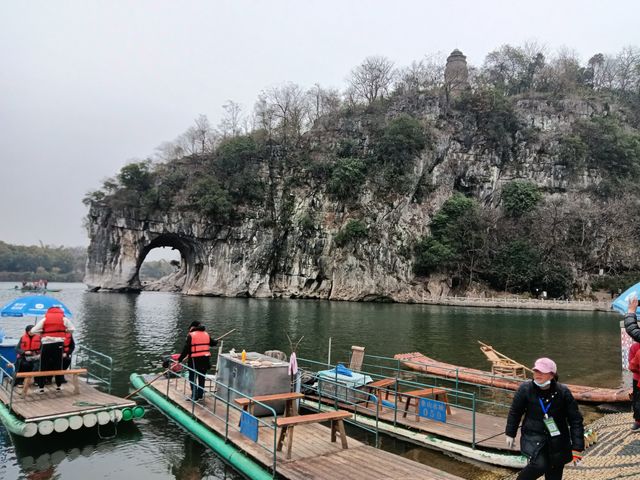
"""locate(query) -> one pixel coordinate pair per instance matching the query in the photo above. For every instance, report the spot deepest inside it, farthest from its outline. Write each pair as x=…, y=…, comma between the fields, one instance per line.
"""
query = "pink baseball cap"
x=545, y=365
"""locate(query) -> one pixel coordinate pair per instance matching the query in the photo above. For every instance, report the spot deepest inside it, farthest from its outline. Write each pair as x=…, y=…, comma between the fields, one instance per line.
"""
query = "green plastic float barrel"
x=229, y=453
x=138, y=411
x=127, y=414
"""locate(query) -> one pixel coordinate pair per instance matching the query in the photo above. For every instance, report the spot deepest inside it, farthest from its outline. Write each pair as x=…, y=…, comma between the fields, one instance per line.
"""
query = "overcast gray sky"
x=86, y=86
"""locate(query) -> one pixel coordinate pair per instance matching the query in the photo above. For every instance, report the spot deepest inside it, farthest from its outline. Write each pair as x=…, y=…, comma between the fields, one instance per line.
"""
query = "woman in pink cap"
x=552, y=430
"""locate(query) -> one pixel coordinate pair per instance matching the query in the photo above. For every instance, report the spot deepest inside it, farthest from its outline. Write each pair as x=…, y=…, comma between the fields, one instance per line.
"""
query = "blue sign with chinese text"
x=249, y=426
x=433, y=410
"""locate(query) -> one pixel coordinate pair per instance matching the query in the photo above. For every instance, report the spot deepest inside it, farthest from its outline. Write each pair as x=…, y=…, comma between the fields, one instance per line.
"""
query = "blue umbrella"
x=32, y=305
x=621, y=304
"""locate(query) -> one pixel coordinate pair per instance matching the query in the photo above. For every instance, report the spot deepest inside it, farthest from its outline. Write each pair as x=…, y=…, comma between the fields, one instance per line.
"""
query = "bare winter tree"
x=427, y=74
x=204, y=135
x=627, y=69
x=231, y=123
x=322, y=101
x=283, y=111
x=167, y=151
x=372, y=79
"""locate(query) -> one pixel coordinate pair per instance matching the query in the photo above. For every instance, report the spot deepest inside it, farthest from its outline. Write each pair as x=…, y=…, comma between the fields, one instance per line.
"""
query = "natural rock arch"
x=119, y=245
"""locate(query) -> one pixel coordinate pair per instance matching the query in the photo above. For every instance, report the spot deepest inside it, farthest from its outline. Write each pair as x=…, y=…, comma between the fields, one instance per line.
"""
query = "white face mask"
x=543, y=384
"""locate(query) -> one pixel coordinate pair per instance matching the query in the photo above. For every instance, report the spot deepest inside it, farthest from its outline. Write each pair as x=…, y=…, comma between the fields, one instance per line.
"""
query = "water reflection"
x=135, y=329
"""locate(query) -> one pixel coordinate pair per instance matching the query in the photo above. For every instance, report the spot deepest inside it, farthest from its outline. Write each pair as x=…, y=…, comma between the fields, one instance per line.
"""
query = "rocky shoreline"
x=522, y=303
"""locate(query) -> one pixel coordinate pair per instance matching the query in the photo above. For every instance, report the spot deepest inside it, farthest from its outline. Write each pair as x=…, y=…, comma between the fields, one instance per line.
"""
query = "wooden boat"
x=78, y=404
x=582, y=393
x=38, y=289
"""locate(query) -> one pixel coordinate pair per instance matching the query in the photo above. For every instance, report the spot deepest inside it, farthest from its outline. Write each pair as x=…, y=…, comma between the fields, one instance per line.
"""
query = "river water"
x=135, y=329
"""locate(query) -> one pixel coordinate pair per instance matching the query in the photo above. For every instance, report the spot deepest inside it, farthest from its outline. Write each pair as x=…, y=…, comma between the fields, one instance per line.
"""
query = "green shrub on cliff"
x=520, y=197
x=347, y=176
x=353, y=231
x=211, y=200
x=396, y=148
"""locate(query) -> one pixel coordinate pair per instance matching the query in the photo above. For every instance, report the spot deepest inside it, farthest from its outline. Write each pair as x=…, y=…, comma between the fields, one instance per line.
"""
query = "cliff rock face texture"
x=298, y=256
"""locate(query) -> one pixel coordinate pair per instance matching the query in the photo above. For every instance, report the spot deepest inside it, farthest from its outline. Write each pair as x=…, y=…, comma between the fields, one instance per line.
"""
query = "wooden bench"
x=29, y=376
x=287, y=423
x=289, y=398
x=435, y=393
x=376, y=387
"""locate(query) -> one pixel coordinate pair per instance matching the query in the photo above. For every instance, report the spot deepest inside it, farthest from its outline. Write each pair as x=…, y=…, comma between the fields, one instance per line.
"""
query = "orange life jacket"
x=54, y=323
x=30, y=343
x=200, y=344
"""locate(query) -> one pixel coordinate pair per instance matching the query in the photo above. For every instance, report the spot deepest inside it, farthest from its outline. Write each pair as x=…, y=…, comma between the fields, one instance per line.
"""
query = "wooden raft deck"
x=314, y=456
x=63, y=403
x=489, y=428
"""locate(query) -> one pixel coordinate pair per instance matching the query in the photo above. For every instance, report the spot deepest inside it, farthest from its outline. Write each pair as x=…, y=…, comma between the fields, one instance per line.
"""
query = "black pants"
x=635, y=401
x=540, y=466
x=51, y=359
x=24, y=365
x=200, y=365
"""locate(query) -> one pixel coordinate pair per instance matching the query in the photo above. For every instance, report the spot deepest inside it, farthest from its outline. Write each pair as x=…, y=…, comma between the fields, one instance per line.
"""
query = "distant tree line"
x=533, y=241
x=58, y=264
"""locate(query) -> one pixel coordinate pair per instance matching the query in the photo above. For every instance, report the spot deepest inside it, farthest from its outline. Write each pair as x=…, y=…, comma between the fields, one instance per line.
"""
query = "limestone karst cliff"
x=301, y=237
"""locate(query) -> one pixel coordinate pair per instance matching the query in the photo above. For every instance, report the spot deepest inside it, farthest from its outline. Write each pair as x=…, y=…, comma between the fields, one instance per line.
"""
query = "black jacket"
x=187, y=345
x=631, y=326
x=563, y=409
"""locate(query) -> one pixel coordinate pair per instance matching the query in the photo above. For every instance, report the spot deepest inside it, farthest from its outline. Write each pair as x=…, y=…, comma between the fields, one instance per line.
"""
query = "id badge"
x=551, y=426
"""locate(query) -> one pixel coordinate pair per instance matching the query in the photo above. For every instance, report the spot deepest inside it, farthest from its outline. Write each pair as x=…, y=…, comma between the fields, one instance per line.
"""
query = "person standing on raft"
x=196, y=348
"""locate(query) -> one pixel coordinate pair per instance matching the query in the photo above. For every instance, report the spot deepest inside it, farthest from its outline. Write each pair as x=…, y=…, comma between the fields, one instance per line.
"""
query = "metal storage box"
x=259, y=375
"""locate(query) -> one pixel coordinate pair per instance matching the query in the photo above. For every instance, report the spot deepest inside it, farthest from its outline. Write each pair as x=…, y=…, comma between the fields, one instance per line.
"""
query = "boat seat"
x=29, y=376
x=337, y=426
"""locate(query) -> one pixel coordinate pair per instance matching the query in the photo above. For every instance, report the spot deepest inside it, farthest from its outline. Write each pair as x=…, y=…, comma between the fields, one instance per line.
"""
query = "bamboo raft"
x=62, y=410
x=582, y=393
x=313, y=455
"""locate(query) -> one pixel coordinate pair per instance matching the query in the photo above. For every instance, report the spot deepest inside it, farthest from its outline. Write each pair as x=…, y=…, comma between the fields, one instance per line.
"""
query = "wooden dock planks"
x=314, y=456
x=53, y=403
x=489, y=428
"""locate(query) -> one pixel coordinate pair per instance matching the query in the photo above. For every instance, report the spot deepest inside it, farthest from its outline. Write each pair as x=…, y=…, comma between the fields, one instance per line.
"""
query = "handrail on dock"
x=6, y=378
x=268, y=421
x=461, y=394
x=99, y=366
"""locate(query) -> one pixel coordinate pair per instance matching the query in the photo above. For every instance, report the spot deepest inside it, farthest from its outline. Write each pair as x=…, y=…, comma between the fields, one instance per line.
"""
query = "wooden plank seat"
x=29, y=376
x=288, y=423
x=435, y=393
x=247, y=403
x=378, y=387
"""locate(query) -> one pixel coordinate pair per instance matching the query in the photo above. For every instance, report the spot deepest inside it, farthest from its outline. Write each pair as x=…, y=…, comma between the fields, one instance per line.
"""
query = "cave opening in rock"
x=159, y=263
x=163, y=264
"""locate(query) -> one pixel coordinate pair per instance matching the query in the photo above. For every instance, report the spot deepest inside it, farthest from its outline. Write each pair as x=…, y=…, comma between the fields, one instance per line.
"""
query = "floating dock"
x=215, y=422
x=60, y=410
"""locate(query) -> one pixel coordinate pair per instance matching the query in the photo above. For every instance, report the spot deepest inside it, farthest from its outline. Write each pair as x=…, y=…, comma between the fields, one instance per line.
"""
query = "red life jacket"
x=200, y=344
x=54, y=323
x=67, y=342
x=30, y=343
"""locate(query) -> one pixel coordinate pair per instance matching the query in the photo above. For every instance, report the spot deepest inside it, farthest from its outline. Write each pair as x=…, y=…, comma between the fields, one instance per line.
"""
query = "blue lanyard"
x=544, y=410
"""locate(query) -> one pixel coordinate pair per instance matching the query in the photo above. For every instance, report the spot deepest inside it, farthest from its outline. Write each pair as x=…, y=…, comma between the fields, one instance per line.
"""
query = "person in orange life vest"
x=197, y=349
x=634, y=366
x=28, y=352
x=53, y=329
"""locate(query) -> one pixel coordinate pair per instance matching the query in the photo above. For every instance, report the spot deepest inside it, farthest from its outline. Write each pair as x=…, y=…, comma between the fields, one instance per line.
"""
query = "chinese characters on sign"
x=433, y=410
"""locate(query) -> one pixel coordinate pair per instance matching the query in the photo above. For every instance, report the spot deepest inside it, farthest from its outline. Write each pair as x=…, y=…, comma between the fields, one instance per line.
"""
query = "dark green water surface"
x=136, y=329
